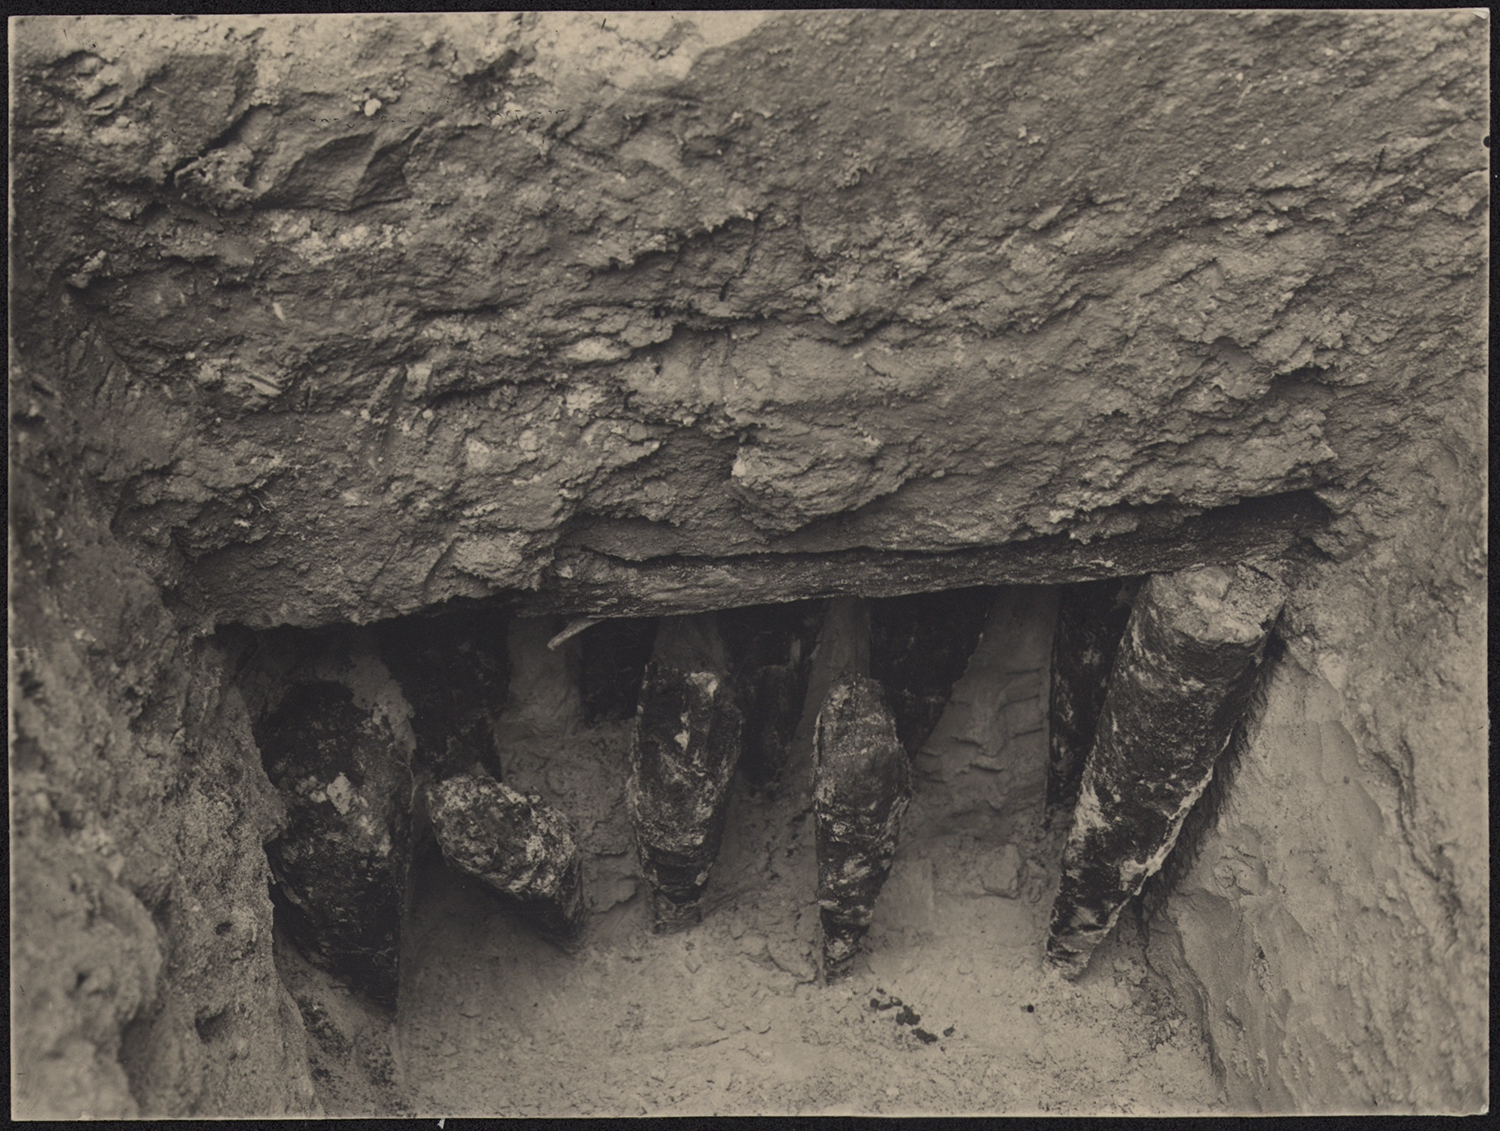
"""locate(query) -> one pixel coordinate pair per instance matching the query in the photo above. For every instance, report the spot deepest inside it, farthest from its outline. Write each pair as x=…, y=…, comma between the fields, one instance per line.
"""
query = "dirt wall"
x=323, y=320
x=142, y=980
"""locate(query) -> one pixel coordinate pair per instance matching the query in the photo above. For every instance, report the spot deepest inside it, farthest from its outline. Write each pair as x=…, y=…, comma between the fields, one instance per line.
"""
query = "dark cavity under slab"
x=920, y=644
x=453, y=666
x=453, y=669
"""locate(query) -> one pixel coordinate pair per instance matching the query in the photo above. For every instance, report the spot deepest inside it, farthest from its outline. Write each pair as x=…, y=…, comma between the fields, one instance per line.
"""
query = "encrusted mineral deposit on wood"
x=1091, y=619
x=519, y=847
x=341, y=864
x=920, y=645
x=861, y=788
x=770, y=649
x=1179, y=683
x=683, y=753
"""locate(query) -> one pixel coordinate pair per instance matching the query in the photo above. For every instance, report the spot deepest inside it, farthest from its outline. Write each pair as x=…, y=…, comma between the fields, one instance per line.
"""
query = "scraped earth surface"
x=947, y=1011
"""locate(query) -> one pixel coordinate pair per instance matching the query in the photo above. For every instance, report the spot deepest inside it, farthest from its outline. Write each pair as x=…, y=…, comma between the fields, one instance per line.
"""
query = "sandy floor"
x=949, y=1010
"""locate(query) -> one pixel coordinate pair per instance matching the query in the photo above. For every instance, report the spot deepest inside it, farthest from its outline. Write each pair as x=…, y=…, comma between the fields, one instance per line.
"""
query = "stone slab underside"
x=665, y=313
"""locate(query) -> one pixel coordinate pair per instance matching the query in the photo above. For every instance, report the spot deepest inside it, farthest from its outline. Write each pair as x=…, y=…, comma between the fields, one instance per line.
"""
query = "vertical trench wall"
x=323, y=321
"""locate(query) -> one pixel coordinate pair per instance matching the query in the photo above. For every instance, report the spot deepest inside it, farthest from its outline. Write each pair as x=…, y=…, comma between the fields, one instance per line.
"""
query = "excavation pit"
x=356, y=359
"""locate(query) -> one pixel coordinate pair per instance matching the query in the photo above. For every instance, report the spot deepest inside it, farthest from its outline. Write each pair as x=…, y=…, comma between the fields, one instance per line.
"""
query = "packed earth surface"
x=376, y=351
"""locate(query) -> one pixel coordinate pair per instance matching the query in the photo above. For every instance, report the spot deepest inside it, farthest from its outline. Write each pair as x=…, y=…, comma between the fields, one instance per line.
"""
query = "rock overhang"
x=525, y=314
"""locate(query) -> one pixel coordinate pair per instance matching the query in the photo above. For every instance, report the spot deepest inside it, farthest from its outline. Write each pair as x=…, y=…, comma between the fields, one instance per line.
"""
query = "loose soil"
x=948, y=1010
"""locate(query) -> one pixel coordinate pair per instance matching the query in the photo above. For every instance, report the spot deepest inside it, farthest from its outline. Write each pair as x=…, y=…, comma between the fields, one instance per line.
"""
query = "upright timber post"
x=682, y=758
x=770, y=650
x=1181, y=679
x=1091, y=619
x=861, y=787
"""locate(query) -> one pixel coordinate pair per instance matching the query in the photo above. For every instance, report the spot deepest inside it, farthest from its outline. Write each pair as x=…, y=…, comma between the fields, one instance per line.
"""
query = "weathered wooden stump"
x=920, y=645
x=341, y=864
x=1091, y=619
x=1180, y=681
x=519, y=847
x=683, y=753
x=770, y=651
x=861, y=784
x=861, y=788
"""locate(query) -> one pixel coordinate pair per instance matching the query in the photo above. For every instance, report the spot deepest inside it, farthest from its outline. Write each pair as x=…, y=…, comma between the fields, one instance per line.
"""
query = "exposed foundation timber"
x=341, y=864
x=519, y=847
x=1091, y=619
x=844, y=642
x=454, y=671
x=612, y=660
x=683, y=753
x=920, y=645
x=1180, y=681
x=861, y=788
x=770, y=651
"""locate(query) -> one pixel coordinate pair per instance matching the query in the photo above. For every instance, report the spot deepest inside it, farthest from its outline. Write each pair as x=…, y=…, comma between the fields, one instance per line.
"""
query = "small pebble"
x=893, y=1091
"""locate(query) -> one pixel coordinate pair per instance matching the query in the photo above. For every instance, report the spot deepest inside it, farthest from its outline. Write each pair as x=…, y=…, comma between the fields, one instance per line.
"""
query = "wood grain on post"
x=683, y=752
x=861, y=789
x=1180, y=681
x=770, y=650
x=1091, y=619
x=861, y=786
